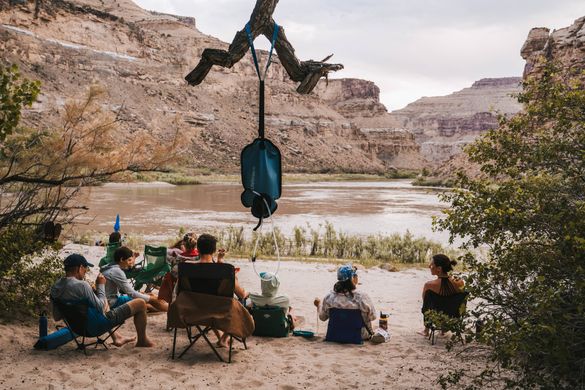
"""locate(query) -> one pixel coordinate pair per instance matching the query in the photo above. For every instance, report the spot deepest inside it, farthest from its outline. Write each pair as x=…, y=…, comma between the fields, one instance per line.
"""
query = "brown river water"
x=360, y=208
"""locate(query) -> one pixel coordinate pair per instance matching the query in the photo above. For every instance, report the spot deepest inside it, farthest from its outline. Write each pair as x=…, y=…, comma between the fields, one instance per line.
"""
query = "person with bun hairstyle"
x=440, y=266
x=190, y=246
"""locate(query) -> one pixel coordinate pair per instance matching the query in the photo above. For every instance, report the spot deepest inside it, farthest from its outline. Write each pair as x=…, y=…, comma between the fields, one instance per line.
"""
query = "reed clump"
x=330, y=243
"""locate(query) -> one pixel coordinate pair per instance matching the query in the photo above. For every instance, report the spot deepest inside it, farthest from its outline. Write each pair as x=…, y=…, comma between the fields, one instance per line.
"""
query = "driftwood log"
x=308, y=73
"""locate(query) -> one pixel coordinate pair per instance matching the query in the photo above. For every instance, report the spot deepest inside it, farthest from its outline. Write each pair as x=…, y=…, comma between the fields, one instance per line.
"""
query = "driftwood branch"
x=308, y=73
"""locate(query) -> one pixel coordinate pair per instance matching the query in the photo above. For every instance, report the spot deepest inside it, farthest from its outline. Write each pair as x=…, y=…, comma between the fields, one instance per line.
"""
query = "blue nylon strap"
x=251, y=44
x=253, y=50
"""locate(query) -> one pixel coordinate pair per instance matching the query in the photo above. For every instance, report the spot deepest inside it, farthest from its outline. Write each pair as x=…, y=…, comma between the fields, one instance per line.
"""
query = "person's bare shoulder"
x=459, y=283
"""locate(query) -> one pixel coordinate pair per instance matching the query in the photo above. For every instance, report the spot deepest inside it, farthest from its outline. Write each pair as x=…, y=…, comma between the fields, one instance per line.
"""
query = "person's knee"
x=138, y=305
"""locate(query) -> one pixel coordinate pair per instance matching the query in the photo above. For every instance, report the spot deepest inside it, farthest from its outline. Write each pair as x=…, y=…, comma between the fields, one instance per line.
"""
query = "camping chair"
x=452, y=306
x=109, y=257
x=212, y=279
x=270, y=321
x=85, y=321
x=154, y=267
x=345, y=326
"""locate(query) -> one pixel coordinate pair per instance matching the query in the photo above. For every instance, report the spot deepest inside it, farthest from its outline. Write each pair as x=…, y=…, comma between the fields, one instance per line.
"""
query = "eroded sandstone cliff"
x=141, y=57
x=565, y=47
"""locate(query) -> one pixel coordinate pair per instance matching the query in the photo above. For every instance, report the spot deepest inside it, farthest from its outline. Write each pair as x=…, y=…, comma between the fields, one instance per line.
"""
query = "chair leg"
x=174, y=343
x=230, y=352
x=192, y=340
x=203, y=333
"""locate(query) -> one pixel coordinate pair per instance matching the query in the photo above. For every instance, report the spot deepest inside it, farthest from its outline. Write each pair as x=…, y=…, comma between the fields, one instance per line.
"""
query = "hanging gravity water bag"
x=261, y=177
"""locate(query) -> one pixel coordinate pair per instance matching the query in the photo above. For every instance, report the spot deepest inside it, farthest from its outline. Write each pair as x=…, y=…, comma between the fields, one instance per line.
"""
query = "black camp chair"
x=218, y=279
x=85, y=321
x=451, y=305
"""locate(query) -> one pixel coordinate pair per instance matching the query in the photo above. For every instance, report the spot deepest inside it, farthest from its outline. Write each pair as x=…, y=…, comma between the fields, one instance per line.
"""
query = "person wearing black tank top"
x=440, y=266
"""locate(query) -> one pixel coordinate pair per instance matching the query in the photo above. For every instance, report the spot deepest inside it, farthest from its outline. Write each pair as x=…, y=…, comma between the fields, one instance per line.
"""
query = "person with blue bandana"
x=345, y=296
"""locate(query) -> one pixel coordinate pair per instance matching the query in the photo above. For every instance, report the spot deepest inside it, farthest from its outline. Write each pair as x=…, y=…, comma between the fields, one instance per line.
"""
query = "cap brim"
x=89, y=264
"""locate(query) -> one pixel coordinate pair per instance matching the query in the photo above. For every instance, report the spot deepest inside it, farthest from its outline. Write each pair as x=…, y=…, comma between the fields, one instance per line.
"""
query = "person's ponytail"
x=444, y=262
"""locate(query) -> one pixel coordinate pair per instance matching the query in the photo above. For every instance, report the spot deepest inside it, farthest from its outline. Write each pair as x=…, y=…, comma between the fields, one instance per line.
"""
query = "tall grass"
x=332, y=244
x=306, y=242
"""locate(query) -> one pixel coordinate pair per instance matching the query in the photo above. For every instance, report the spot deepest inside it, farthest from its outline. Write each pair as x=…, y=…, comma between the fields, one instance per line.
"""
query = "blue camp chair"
x=85, y=321
x=345, y=326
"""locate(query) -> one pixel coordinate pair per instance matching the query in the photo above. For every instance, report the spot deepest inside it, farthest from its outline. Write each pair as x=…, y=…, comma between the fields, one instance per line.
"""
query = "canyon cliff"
x=140, y=58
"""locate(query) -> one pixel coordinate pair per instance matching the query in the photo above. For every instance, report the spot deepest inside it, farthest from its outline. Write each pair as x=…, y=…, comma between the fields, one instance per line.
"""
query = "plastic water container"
x=43, y=324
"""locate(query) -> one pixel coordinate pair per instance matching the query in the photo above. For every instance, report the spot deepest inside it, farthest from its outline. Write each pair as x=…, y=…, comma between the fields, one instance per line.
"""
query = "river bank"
x=407, y=361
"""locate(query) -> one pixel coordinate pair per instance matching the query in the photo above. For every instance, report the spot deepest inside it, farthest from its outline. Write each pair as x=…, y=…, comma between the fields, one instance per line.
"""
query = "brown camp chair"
x=205, y=301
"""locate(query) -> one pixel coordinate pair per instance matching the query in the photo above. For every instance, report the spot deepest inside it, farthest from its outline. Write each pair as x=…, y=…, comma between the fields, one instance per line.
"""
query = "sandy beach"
x=407, y=361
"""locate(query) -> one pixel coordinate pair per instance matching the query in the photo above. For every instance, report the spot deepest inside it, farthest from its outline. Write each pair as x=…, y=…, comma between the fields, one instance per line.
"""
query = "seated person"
x=269, y=284
x=345, y=296
x=114, y=238
x=73, y=288
x=190, y=246
x=176, y=249
x=444, y=284
x=207, y=245
x=116, y=282
x=183, y=250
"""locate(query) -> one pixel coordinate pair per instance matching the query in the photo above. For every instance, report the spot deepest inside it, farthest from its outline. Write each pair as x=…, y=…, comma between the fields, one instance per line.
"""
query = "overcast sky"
x=409, y=48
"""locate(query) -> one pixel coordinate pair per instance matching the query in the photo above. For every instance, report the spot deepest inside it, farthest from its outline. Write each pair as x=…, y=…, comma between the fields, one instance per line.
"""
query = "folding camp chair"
x=345, y=326
x=213, y=279
x=270, y=321
x=154, y=267
x=85, y=321
x=109, y=257
x=451, y=305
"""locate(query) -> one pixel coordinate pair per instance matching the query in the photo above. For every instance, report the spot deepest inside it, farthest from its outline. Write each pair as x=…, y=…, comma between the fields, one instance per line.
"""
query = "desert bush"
x=528, y=208
x=28, y=268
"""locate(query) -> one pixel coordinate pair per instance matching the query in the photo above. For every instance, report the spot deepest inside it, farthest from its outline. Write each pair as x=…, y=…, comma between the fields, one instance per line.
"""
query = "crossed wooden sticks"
x=307, y=73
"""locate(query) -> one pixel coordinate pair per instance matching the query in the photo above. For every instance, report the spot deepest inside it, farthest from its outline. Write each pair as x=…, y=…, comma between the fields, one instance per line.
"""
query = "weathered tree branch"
x=308, y=73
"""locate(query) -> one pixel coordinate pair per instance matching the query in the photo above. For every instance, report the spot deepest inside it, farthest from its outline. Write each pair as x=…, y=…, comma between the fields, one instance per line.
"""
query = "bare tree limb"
x=308, y=73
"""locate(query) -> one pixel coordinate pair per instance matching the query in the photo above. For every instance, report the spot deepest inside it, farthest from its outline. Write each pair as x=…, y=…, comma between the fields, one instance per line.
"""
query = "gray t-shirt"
x=117, y=283
x=73, y=289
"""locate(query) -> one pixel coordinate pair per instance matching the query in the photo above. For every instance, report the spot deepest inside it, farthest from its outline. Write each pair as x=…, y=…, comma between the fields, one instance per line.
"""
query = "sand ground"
x=407, y=361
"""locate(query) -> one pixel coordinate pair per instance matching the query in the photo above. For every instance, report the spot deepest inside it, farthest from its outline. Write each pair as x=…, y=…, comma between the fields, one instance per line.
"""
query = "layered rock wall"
x=566, y=47
x=443, y=125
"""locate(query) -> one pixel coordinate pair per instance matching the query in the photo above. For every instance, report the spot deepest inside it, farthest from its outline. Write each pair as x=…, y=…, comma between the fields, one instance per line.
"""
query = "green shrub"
x=528, y=208
x=28, y=269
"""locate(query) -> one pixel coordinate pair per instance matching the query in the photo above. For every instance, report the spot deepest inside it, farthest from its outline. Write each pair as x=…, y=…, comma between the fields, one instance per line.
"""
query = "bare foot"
x=221, y=344
x=145, y=344
x=123, y=340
